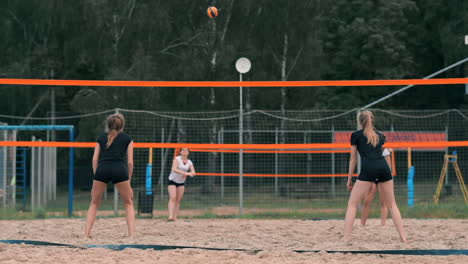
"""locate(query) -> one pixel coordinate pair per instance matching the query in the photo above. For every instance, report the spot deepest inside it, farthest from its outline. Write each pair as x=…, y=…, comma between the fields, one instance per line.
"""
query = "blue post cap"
x=454, y=153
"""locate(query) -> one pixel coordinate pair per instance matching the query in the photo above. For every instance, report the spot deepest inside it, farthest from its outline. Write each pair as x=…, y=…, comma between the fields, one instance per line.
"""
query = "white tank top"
x=174, y=176
x=386, y=152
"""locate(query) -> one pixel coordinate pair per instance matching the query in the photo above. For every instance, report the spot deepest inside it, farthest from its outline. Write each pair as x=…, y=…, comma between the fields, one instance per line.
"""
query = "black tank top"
x=117, y=151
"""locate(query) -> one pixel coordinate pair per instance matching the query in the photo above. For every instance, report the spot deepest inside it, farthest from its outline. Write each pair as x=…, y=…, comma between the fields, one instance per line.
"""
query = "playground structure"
x=28, y=175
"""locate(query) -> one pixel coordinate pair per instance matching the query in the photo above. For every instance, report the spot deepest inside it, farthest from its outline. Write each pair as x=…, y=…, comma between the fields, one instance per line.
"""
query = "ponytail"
x=366, y=119
x=115, y=125
x=111, y=135
x=177, y=152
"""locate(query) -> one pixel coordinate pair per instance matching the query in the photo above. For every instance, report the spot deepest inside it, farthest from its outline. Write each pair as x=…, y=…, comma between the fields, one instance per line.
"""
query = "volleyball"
x=212, y=12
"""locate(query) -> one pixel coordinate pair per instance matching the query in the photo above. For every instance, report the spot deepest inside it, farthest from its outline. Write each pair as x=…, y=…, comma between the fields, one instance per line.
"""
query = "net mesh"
x=288, y=179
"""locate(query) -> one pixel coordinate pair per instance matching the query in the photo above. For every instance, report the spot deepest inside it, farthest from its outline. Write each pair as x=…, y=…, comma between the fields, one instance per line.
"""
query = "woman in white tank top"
x=181, y=168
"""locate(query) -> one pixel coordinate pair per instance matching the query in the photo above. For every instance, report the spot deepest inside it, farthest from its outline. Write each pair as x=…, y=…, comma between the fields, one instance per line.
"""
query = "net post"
x=44, y=176
x=71, y=176
x=447, y=153
x=13, y=183
x=161, y=177
x=221, y=141
x=33, y=175
x=241, y=151
x=276, y=162
x=307, y=157
x=49, y=174
x=116, y=201
x=333, y=165
x=409, y=158
x=4, y=169
x=40, y=174
x=54, y=160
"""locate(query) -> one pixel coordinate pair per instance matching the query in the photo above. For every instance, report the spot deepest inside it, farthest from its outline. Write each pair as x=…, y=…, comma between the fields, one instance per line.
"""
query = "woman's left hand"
x=349, y=185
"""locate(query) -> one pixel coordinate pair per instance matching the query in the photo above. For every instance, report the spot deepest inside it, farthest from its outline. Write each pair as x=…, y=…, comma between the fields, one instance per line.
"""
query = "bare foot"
x=170, y=220
x=346, y=239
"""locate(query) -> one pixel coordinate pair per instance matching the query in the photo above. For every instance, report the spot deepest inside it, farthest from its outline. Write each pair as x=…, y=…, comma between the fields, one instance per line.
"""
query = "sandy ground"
x=277, y=239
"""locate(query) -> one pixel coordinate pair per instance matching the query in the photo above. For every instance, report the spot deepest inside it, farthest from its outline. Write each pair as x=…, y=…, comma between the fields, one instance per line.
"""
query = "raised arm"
x=352, y=167
x=130, y=160
x=97, y=150
x=192, y=170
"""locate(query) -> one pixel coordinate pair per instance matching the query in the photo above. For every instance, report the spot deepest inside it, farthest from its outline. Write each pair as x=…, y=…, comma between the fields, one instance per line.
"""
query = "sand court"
x=276, y=241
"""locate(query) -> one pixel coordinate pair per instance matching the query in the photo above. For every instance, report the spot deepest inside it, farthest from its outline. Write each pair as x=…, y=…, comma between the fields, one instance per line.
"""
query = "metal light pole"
x=242, y=66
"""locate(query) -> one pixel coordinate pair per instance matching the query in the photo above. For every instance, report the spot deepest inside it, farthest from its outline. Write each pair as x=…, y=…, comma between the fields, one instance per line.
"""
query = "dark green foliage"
x=285, y=40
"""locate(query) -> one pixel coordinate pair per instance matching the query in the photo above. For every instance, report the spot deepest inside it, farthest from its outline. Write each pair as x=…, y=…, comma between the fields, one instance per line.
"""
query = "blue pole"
x=411, y=186
x=71, y=176
x=149, y=183
x=454, y=153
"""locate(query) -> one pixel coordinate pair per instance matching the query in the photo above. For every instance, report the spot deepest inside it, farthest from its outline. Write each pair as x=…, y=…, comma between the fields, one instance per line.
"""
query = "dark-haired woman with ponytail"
x=112, y=161
x=374, y=168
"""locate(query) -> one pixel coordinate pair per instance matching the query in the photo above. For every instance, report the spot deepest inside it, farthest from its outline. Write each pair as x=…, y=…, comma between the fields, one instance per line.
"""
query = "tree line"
x=176, y=41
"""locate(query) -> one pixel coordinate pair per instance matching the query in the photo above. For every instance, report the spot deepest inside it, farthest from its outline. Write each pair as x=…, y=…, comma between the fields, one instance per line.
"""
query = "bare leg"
x=388, y=197
x=126, y=193
x=383, y=209
x=172, y=190
x=180, y=195
x=96, y=196
x=360, y=189
x=367, y=204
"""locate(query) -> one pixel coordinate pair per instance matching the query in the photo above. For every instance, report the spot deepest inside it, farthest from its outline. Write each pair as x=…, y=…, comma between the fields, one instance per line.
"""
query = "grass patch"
x=430, y=210
x=256, y=205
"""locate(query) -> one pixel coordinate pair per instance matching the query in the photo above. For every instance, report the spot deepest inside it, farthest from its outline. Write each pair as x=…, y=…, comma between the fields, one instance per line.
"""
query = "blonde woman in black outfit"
x=374, y=168
x=369, y=197
x=112, y=161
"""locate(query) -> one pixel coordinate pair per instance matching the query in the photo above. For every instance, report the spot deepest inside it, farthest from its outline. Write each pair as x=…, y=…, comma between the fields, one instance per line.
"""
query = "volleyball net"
x=288, y=160
x=291, y=160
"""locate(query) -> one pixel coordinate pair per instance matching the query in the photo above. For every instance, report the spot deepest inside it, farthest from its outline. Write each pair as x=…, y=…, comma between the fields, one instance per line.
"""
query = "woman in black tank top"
x=112, y=162
x=368, y=142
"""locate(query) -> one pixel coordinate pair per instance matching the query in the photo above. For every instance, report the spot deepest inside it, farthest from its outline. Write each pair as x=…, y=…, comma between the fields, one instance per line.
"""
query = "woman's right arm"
x=96, y=157
x=389, y=162
x=352, y=166
x=387, y=154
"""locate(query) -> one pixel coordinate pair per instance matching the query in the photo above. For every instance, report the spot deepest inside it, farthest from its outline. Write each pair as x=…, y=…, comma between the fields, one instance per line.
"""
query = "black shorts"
x=175, y=183
x=377, y=172
x=111, y=172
